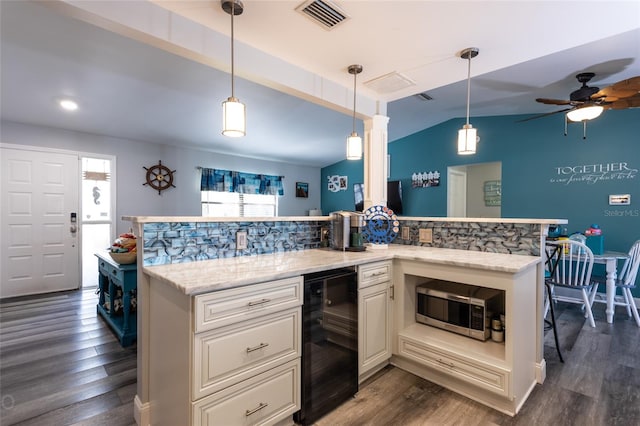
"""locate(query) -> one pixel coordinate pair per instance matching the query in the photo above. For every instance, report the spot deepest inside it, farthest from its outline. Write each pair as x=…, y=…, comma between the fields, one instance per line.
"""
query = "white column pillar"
x=375, y=161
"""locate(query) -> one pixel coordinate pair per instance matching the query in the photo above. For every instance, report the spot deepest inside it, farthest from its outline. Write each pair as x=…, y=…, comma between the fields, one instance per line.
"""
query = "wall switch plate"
x=405, y=233
x=426, y=236
x=241, y=240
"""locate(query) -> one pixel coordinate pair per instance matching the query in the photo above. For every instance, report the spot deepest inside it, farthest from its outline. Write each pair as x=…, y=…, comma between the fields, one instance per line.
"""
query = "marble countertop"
x=154, y=219
x=214, y=275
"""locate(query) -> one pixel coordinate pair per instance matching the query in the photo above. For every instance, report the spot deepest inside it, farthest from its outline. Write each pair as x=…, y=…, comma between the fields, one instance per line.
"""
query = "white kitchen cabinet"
x=374, y=317
x=498, y=374
x=261, y=400
x=230, y=357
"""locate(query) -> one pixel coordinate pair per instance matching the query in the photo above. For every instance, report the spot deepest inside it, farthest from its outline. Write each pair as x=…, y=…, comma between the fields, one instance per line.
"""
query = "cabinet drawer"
x=374, y=273
x=263, y=399
x=486, y=376
x=111, y=271
x=226, y=307
x=228, y=355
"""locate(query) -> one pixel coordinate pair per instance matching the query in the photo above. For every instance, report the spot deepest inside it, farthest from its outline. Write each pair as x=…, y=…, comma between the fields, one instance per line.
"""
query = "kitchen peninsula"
x=187, y=309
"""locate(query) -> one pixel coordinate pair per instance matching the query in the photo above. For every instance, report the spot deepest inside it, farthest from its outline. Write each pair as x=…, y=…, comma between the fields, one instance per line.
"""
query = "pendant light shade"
x=233, y=118
x=468, y=136
x=585, y=113
x=467, y=139
x=354, y=142
x=354, y=147
x=233, y=111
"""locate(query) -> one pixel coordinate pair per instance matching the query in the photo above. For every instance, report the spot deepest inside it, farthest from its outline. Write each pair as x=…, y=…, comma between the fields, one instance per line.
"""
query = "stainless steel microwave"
x=460, y=308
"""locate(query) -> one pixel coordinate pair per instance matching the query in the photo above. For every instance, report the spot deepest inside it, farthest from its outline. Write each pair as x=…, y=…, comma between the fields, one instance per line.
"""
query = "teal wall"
x=340, y=200
x=531, y=153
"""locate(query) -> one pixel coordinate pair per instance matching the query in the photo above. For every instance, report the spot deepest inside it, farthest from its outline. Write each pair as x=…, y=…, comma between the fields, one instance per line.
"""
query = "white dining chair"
x=571, y=270
x=626, y=280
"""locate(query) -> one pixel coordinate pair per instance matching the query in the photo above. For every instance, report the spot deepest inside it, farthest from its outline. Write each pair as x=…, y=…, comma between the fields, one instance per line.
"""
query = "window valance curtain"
x=244, y=183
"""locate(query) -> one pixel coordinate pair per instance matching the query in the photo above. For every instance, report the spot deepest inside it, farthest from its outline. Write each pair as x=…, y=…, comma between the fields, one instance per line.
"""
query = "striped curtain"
x=244, y=183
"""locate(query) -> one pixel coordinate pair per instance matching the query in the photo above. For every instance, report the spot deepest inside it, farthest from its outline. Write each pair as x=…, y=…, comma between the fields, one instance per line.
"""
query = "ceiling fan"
x=588, y=102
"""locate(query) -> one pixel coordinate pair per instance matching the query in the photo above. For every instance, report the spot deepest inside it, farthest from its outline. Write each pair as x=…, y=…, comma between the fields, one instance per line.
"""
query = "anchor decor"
x=159, y=177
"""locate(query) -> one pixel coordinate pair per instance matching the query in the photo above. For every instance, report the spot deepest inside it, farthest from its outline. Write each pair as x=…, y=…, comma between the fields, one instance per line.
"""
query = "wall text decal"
x=593, y=173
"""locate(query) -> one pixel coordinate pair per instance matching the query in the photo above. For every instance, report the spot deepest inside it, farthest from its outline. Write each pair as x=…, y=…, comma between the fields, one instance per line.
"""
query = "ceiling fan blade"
x=553, y=101
x=622, y=89
x=544, y=115
x=629, y=102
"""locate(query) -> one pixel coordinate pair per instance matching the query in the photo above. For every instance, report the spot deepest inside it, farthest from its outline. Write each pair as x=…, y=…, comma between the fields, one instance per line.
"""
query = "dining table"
x=610, y=260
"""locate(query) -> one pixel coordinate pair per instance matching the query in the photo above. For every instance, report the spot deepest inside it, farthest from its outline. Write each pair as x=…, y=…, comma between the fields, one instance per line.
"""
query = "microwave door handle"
x=457, y=298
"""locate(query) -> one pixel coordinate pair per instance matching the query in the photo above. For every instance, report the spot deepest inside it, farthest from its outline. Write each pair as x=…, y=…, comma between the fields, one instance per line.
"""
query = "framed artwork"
x=337, y=183
x=302, y=190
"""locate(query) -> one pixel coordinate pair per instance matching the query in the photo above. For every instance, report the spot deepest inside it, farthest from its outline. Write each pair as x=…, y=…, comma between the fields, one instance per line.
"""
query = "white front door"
x=39, y=200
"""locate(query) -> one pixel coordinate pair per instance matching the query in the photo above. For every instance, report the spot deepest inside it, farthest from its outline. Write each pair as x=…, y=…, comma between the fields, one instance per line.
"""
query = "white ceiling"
x=127, y=87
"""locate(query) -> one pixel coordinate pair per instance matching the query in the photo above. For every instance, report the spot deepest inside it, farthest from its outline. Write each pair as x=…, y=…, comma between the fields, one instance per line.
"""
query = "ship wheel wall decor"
x=159, y=177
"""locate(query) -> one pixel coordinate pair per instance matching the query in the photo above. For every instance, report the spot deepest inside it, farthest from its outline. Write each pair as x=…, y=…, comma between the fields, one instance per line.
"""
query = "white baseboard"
x=141, y=412
x=541, y=371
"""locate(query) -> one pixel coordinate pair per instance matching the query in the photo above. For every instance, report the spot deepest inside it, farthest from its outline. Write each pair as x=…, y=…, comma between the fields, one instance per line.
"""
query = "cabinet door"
x=374, y=328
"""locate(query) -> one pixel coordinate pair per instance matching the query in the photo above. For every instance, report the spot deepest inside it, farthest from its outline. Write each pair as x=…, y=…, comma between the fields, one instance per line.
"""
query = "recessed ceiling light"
x=68, y=104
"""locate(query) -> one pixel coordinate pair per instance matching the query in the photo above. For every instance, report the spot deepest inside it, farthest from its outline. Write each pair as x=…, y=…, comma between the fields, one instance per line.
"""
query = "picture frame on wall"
x=302, y=190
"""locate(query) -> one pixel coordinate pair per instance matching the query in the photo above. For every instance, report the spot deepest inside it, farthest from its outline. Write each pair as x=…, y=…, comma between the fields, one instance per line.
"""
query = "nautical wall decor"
x=159, y=177
x=425, y=179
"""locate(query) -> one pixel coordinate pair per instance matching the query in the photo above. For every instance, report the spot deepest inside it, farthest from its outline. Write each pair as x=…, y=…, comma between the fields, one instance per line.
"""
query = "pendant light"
x=354, y=142
x=467, y=136
x=233, y=111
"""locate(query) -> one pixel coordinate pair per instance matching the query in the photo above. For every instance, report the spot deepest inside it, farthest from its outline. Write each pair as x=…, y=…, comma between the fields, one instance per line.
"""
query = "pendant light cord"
x=354, y=102
x=233, y=12
x=468, y=87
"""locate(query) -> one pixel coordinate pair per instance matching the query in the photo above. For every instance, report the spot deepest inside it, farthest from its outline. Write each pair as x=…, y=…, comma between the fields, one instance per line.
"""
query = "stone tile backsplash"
x=178, y=242
x=510, y=238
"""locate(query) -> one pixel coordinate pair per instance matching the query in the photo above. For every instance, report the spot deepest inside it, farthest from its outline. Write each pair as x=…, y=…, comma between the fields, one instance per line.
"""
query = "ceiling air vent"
x=323, y=12
x=389, y=83
x=424, y=96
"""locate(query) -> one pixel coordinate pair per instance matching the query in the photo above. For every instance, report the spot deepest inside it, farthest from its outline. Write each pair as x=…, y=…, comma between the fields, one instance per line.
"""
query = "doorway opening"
x=474, y=190
x=96, y=221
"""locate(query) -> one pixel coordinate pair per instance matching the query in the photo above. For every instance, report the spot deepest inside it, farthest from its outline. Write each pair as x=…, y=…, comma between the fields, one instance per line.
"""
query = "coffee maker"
x=346, y=230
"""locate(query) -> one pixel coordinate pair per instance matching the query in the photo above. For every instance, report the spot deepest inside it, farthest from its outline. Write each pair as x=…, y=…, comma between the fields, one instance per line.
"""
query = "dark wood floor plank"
x=66, y=396
x=61, y=364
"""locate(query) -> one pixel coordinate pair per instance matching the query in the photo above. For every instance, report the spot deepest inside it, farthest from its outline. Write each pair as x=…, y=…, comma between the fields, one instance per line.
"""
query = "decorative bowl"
x=124, y=258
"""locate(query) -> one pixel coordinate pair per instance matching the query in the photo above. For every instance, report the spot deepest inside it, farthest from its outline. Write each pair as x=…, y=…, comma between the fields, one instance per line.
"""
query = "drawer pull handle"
x=446, y=364
x=255, y=348
x=376, y=274
x=255, y=410
x=259, y=302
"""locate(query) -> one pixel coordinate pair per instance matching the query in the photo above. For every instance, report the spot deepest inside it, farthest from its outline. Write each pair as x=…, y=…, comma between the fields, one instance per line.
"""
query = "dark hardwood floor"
x=598, y=384
x=61, y=365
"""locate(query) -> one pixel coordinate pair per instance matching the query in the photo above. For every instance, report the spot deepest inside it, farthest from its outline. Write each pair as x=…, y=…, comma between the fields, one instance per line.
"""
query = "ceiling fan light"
x=467, y=140
x=585, y=113
x=233, y=118
x=354, y=147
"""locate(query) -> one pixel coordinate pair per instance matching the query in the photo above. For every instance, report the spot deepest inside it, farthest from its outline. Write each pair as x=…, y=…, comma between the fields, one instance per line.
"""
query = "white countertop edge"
x=174, y=219
x=156, y=219
x=487, y=220
x=220, y=274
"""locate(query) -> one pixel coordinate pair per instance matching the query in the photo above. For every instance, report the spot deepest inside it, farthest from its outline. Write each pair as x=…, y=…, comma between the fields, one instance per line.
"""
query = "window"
x=234, y=204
